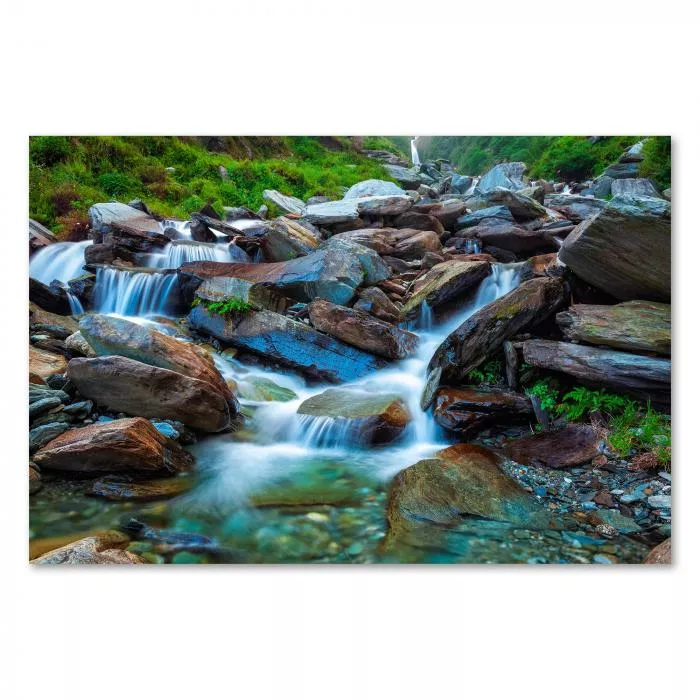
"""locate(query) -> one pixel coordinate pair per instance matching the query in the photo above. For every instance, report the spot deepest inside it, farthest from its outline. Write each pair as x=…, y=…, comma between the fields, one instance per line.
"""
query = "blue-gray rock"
x=575, y=207
x=371, y=188
x=634, y=187
x=285, y=203
x=38, y=437
x=622, y=170
x=500, y=212
x=37, y=408
x=460, y=184
x=508, y=175
x=374, y=268
x=602, y=186
x=166, y=429
x=106, y=214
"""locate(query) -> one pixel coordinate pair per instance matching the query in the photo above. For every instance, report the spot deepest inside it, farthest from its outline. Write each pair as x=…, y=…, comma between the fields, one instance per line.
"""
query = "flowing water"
x=58, y=261
x=414, y=151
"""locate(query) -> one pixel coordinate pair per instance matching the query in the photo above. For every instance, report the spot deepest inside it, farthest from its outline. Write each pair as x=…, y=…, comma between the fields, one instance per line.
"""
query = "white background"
x=358, y=67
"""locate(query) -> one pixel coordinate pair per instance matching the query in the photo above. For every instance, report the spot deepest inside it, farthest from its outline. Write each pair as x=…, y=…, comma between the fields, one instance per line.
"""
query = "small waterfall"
x=176, y=254
x=472, y=245
x=76, y=308
x=330, y=433
x=425, y=317
x=134, y=293
x=58, y=261
x=414, y=151
x=180, y=230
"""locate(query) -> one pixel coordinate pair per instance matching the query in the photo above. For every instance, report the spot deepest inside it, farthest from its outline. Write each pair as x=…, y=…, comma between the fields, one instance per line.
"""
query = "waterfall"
x=134, y=293
x=414, y=151
x=177, y=253
x=58, y=261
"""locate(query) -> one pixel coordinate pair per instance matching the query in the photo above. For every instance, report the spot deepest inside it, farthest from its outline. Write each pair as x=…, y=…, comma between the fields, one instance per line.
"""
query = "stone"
x=374, y=301
x=286, y=239
x=40, y=318
x=661, y=554
x=467, y=410
x=409, y=178
x=365, y=417
x=259, y=388
x=624, y=250
x=510, y=237
x=415, y=246
x=108, y=335
x=140, y=491
x=105, y=548
x=483, y=333
x=257, y=295
x=336, y=212
x=78, y=346
x=638, y=375
x=659, y=501
x=129, y=445
x=500, y=213
x=446, y=211
x=575, y=207
x=106, y=215
x=291, y=343
x=619, y=171
x=444, y=282
x=285, y=203
x=52, y=298
x=43, y=364
x=506, y=175
x=417, y=221
x=361, y=330
x=521, y=207
x=635, y=326
x=34, y=481
x=460, y=184
x=38, y=437
x=574, y=445
x=634, y=187
x=373, y=267
x=602, y=186
x=39, y=235
x=390, y=205
x=373, y=188
x=124, y=385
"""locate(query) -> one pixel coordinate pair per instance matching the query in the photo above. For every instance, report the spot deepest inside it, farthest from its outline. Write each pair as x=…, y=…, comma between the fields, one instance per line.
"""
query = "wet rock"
x=40, y=319
x=361, y=330
x=105, y=548
x=444, y=282
x=506, y=175
x=484, y=332
x=285, y=203
x=467, y=410
x=286, y=239
x=391, y=205
x=157, y=489
x=420, y=222
x=291, y=343
x=446, y=211
x=625, y=250
x=367, y=417
x=38, y=437
x=135, y=388
x=644, y=377
x=498, y=214
x=575, y=207
x=633, y=187
x=34, y=481
x=373, y=188
x=108, y=335
x=521, y=207
x=44, y=364
x=661, y=554
x=337, y=212
x=409, y=178
x=373, y=267
x=52, y=298
x=124, y=445
x=512, y=238
x=259, y=388
x=415, y=246
x=574, y=445
x=78, y=346
x=374, y=301
x=638, y=326
x=105, y=216
x=602, y=186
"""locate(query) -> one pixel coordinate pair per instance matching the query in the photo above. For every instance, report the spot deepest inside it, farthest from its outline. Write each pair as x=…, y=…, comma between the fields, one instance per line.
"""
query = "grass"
x=225, y=306
x=175, y=176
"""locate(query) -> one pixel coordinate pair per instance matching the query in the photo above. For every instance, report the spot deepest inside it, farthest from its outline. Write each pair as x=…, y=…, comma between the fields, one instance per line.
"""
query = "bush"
x=657, y=160
x=48, y=150
x=117, y=184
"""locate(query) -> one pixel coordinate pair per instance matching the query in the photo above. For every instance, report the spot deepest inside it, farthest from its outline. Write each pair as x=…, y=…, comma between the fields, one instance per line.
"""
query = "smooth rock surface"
x=569, y=447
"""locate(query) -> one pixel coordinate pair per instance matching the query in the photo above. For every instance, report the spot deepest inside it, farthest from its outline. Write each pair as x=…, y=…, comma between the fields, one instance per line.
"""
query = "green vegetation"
x=400, y=145
x=69, y=174
x=488, y=373
x=657, y=160
x=633, y=428
x=225, y=306
x=550, y=157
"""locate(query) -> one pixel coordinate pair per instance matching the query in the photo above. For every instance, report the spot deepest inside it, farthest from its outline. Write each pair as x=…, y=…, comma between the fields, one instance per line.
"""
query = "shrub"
x=48, y=150
x=117, y=184
x=488, y=373
x=226, y=306
x=657, y=160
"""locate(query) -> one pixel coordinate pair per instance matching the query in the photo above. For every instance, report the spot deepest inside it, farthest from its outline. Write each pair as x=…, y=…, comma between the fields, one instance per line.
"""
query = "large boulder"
x=661, y=554
x=43, y=363
x=483, y=333
x=286, y=239
x=634, y=187
x=444, y=282
x=290, y=343
x=361, y=330
x=575, y=207
x=257, y=295
x=130, y=445
x=410, y=178
x=52, y=298
x=416, y=245
x=374, y=301
x=373, y=267
x=625, y=250
x=637, y=326
x=422, y=222
x=108, y=335
x=329, y=213
x=466, y=410
x=446, y=211
x=645, y=377
x=330, y=274
x=362, y=417
x=285, y=203
x=569, y=447
x=373, y=188
x=506, y=175
x=138, y=389
x=386, y=205
x=513, y=238
x=104, y=548
x=499, y=213
x=105, y=216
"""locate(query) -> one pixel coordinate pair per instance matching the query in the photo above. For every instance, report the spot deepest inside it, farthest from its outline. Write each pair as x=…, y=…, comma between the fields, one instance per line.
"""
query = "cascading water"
x=178, y=253
x=134, y=293
x=58, y=261
x=414, y=151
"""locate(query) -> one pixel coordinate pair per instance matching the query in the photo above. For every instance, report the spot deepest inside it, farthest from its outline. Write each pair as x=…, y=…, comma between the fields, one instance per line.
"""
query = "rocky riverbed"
x=381, y=378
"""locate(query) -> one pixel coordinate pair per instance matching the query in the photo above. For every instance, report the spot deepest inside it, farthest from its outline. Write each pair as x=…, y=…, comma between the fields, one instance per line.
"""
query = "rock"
x=409, y=178
x=34, y=481
x=661, y=554
x=38, y=437
x=359, y=329
x=506, y=175
x=634, y=187
x=575, y=207
x=624, y=250
x=381, y=240
x=447, y=211
x=390, y=205
x=420, y=222
x=444, y=282
x=569, y=447
x=545, y=265
x=373, y=267
x=285, y=203
x=637, y=326
x=337, y=212
x=374, y=301
x=644, y=377
x=52, y=298
x=667, y=194
x=365, y=418
x=128, y=386
x=512, y=238
x=416, y=245
x=39, y=235
x=108, y=335
x=372, y=188
x=157, y=489
x=500, y=213
x=105, y=548
x=521, y=207
x=78, y=346
x=484, y=332
x=124, y=445
x=286, y=239
x=660, y=501
x=602, y=187
x=257, y=295
x=291, y=343
x=536, y=192
x=466, y=410
x=39, y=318
x=259, y=388
x=460, y=184
x=43, y=364
x=106, y=215
x=330, y=274
x=620, y=171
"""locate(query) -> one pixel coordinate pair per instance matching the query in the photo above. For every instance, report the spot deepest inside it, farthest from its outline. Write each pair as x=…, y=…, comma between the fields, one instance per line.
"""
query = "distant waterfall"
x=134, y=293
x=414, y=151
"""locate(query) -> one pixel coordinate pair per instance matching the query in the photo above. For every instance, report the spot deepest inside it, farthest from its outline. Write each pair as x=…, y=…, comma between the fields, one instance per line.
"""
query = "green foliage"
x=581, y=401
x=226, y=306
x=102, y=168
x=657, y=160
x=488, y=373
x=400, y=145
x=642, y=431
x=545, y=393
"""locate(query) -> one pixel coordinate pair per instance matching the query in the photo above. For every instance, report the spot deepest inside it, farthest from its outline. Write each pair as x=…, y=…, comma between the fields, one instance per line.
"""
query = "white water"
x=133, y=293
x=414, y=151
x=58, y=261
x=177, y=253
